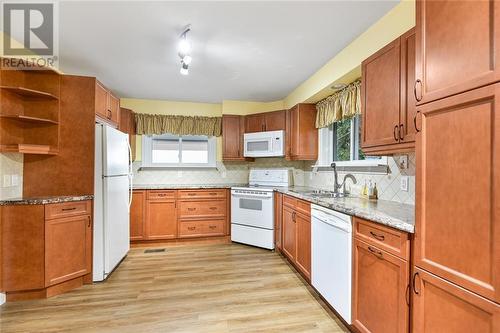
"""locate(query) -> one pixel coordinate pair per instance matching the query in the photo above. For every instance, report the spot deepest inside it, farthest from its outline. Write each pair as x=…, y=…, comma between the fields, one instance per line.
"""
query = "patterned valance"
x=178, y=125
x=343, y=104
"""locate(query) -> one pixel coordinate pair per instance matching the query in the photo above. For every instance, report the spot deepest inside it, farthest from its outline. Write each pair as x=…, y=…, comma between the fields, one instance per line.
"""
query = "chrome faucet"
x=336, y=185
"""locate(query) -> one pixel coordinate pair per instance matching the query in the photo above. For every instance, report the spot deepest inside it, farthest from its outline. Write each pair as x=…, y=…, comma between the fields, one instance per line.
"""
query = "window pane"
x=342, y=140
x=361, y=154
x=165, y=151
x=194, y=150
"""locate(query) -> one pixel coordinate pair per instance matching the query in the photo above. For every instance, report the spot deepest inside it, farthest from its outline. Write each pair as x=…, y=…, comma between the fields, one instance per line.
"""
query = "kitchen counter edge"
x=45, y=200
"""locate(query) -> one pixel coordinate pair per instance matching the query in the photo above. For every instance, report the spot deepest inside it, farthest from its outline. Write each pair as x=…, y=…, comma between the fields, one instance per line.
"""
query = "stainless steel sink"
x=326, y=194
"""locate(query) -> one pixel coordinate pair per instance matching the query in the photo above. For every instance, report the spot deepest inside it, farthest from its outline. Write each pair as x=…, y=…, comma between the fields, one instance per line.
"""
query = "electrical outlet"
x=15, y=180
x=404, y=183
x=6, y=181
x=403, y=162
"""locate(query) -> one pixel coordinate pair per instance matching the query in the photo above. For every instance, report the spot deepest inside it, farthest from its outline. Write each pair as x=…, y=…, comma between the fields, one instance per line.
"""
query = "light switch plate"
x=6, y=180
x=15, y=180
x=403, y=162
x=404, y=183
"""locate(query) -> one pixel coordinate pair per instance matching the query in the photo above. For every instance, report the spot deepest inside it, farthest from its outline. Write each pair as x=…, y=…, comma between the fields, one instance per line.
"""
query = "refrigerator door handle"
x=130, y=175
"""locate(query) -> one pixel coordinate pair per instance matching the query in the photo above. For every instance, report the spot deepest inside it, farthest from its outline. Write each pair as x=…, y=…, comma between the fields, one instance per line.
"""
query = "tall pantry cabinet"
x=456, y=272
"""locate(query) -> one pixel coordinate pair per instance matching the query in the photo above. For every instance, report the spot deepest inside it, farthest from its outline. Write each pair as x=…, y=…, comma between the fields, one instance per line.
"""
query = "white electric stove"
x=252, y=207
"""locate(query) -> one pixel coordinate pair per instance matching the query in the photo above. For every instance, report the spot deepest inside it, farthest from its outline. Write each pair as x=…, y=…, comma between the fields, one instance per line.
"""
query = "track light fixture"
x=184, y=50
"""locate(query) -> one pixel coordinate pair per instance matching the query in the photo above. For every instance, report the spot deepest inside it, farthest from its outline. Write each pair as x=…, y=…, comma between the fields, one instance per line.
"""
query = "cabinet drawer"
x=202, y=194
x=214, y=227
x=160, y=194
x=388, y=239
x=303, y=207
x=289, y=201
x=191, y=229
x=189, y=209
x=65, y=209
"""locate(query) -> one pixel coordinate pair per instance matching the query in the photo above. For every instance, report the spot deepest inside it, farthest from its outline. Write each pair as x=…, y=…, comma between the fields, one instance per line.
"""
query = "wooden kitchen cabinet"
x=68, y=248
x=233, y=128
x=267, y=121
x=388, y=103
x=459, y=53
x=278, y=221
x=161, y=219
x=441, y=306
x=380, y=290
x=289, y=233
x=138, y=215
x=457, y=222
x=296, y=234
x=302, y=134
x=127, y=125
x=107, y=106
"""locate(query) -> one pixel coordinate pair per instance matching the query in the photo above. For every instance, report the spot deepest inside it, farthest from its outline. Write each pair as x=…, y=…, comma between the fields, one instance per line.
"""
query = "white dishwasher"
x=331, y=258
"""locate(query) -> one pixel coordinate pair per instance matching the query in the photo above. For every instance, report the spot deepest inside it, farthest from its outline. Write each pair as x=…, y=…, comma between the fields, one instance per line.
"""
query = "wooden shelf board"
x=29, y=149
x=30, y=119
x=29, y=92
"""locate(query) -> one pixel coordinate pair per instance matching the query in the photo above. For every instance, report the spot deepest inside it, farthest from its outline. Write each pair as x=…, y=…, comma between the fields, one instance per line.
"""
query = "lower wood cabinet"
x=46, y=249
x=380, y=290
x=174, y=214
x=278, y=221
x=441, y=306
x=161, y=219
x=296, y=239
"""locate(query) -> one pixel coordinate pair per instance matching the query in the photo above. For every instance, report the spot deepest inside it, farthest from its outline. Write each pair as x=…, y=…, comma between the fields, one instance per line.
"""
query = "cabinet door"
x=124, y=124
x=289, y=233
x=440, y=306
x=101, y=100
x=294, y=132
x=407, y=128
x=459, y=53
x=303, y=258
x=255, y=123
x=458, y=176
x=137, y=215
x=303, y=133
x=275, y=121
x=232, y=137
x=380, y=93
x=114, y=108
x=278, y=220
x=161, y=219
x=68, y=245
x=380, y=290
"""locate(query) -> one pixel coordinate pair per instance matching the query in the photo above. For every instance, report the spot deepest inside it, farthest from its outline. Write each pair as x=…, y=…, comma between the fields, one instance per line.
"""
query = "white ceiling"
x=258, y=51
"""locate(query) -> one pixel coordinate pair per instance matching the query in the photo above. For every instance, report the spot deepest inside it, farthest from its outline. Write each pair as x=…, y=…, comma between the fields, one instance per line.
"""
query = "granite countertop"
x=183, y=186
x=44, y=200
x=393, y=214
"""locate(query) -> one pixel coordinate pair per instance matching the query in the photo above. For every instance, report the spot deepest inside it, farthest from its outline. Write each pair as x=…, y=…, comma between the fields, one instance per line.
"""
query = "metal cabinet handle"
x=379, y=237
x=419, y=96
x=401, y=132
x=212, y=226
x=191, y=209
x=377, y=253
x=88, y=221
x=407, y=294
x=68, y=209
x=212, y=193
x=191, y=228
x=413, y=283
x=191, y=194
x=213, y=208
x=394, y=132
x=293, y=217
x=415, y=122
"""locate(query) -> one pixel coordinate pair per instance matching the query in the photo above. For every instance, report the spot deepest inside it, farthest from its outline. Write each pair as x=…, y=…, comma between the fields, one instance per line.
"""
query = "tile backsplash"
x=11, y=164
x=388, y=184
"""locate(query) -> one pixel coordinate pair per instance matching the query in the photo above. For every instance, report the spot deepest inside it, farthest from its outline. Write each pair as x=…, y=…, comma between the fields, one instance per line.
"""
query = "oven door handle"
x=251, y=196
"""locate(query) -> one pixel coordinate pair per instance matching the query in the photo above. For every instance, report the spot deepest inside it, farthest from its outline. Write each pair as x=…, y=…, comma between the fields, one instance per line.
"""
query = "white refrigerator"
x=112, y=199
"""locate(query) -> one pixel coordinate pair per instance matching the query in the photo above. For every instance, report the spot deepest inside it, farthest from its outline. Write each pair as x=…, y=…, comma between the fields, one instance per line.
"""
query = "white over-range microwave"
x=264, y=144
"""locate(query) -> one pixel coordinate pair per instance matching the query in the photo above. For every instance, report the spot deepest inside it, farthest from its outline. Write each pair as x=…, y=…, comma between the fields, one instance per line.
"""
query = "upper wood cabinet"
x=301, y=133
x=457, y=47
x=387, y=107
x=457, y=205
x=233, y=127
x=268, y=121
x=138, y=215
x=107, y=106
x=440, y=306
x=127, y=125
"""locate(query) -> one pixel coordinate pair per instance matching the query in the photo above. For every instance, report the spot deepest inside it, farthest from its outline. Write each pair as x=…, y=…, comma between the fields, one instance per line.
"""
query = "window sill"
x=366, y=166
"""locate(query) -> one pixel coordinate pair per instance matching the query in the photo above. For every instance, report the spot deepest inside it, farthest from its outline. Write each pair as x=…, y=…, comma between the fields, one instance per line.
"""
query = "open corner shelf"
x=28, y=119
x=29, y=149
x=30, y=93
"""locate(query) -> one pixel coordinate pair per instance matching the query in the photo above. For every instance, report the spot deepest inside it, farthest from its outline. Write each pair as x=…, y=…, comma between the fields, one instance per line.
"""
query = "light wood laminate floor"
x=189, y=288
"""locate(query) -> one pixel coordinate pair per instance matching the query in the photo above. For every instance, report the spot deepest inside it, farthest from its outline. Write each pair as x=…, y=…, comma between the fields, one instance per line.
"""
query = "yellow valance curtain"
x=158, y=124
x=343, y=104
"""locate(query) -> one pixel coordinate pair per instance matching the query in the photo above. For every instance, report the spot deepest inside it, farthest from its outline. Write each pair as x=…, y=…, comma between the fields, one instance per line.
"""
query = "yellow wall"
x=244, y=107
x=344, y=67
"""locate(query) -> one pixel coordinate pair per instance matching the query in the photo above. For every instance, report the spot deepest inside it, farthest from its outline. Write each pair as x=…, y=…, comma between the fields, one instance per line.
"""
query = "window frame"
x=147, y=152
x=326, y=148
